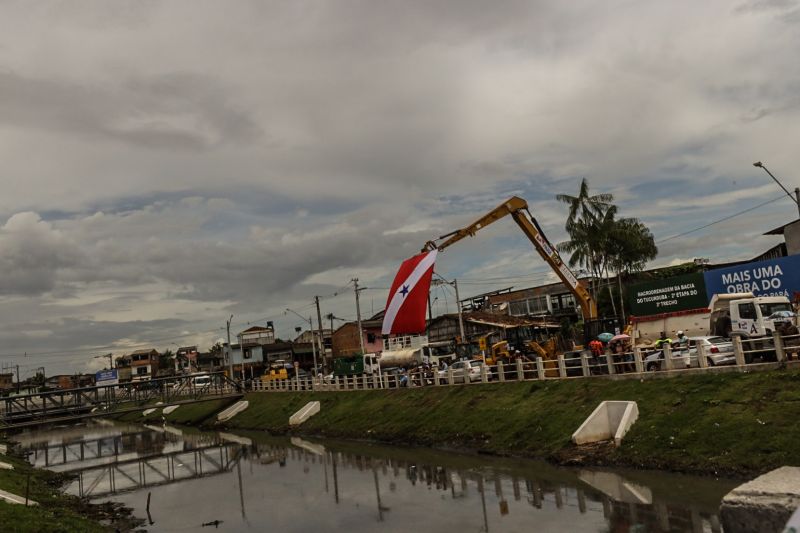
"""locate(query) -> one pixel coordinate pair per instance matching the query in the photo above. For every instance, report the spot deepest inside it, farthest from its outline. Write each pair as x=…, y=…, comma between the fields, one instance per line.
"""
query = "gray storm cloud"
x=166, y=164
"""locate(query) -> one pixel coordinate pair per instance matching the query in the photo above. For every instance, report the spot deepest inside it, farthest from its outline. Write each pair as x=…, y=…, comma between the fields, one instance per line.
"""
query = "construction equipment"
x=518, y=209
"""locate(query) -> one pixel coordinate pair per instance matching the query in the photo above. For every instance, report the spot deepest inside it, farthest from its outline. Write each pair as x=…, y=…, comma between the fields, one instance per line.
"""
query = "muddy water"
x=250, y=482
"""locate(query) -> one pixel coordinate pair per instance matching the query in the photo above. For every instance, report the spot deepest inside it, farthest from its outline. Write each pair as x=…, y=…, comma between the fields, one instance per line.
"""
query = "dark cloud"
x=169, y=112
x=189, y=159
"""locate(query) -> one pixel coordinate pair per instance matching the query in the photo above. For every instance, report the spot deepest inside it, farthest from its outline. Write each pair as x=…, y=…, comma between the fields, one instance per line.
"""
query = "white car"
x=718, y=350
x=470, y=369
x=655, y=361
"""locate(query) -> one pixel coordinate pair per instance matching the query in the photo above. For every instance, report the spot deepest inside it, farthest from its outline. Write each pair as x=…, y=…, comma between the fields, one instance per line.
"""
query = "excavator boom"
x=518, y=209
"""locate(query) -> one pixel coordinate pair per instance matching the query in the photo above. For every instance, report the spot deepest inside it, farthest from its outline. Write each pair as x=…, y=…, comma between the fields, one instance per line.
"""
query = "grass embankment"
x=734, y=424
x=56, y=511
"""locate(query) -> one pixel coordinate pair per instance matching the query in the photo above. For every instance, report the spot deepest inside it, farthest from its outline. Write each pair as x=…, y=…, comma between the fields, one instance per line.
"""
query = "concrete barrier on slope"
x=148, y=412
x=610, y=420
x=167, y=410
x=308, y=410
x=233, y=410
x=13, y=498
x=763, y=504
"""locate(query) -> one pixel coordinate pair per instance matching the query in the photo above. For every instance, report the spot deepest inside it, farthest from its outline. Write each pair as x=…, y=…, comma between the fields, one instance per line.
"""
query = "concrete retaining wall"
x=610, y=420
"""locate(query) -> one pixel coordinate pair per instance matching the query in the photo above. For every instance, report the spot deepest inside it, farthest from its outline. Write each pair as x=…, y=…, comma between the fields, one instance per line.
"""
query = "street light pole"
x=313, y=344
x=795, y=198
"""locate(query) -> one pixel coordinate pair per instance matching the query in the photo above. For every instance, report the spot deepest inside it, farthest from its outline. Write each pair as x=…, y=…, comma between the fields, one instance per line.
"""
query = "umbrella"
x=621, y=337
x=605, y=337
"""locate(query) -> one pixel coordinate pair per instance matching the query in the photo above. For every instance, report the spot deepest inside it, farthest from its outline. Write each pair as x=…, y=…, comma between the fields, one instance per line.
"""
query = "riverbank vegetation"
x=733, y=424
x=56, y=512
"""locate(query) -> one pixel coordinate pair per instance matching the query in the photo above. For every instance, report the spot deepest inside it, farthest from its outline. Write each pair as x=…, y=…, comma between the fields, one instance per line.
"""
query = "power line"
x=721, y=220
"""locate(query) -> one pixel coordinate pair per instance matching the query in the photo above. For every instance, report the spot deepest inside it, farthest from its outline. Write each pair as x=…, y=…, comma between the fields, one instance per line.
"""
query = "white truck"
x=738, y=314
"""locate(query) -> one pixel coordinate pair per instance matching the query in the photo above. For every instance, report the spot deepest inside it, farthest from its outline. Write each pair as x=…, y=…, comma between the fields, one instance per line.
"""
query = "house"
x=210, y=362
x=553, y=299
x=6, y=382
x=346, y=341
x=307, y=335
x=247, y=360
x=69, y=381
x=186, y=360
x=144, y=364
x=257, y=335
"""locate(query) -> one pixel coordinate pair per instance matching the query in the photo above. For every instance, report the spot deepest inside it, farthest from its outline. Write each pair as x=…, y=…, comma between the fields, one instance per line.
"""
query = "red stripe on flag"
x=410, y=317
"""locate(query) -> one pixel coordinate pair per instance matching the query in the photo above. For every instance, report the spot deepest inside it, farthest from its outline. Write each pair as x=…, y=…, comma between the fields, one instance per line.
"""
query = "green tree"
x=588, y=216
x=630, y=246
x=604, y=244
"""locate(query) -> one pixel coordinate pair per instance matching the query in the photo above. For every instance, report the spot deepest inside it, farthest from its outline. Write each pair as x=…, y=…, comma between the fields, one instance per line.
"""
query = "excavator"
x=517, y=208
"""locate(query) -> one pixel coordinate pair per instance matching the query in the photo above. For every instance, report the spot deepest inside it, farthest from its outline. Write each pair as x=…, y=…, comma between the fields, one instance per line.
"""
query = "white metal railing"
x=758, y=352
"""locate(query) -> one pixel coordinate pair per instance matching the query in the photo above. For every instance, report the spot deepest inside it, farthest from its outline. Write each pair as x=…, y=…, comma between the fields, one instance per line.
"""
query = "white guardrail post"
x=637, y=359
x=520, y=371
x=780, y=353
x=449, y=375
x=562, y=368
x=667, y=350
x=501, y=373
x=702, y=358
x=484, y=373
x=738, y=351
x=585, y=365
x=540, y=367
x=610, y=364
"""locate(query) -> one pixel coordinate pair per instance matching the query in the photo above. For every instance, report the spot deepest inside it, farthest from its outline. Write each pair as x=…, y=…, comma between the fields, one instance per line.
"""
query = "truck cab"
x=746, y=315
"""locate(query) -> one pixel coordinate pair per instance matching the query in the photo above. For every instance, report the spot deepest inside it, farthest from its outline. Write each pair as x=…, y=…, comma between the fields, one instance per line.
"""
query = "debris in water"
x=215, y=523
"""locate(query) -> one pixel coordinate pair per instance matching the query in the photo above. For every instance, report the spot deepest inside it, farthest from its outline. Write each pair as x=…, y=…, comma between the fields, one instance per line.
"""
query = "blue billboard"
x=773, y=277
x=106, y=377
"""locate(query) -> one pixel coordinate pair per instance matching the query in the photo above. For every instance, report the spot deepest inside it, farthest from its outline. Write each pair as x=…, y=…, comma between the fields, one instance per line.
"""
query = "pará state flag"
x=408, y=297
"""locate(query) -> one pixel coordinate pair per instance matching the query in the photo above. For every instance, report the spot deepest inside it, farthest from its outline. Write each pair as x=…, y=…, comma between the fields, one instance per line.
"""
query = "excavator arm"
x=518, y=209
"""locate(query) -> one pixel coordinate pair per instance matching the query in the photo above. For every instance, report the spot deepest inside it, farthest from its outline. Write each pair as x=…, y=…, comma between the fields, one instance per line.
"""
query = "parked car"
x=718, y=350
x=466, y=371
x=655, y=361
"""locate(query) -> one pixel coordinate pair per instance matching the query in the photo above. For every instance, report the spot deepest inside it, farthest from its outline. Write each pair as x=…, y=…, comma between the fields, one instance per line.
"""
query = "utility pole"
x=358, y=317
x=313, y=344
x=230, y=349
x=795, y=198
x=460, y=314
x=321, y=342
x=17, y=366
x=313, y=354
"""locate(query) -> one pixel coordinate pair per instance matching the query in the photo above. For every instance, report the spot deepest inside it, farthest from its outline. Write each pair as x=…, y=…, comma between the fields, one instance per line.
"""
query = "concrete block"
x=13, y=498
x=6, y=466
x=167, y=410
x=308, y=410
x=617, y=487
x=148, y=412
x=3, y=449
x=610, y=420
x=764, y=504
x=233, y=410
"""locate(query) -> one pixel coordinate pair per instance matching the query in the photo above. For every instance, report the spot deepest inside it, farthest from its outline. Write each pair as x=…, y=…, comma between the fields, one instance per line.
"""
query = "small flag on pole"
x=408, y=297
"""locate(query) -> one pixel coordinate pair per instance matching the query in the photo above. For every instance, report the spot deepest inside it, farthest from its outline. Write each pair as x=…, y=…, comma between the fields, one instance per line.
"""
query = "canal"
x=203, y=481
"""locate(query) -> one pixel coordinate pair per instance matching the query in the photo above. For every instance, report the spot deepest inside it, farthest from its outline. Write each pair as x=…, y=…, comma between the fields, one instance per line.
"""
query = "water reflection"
x=250, y=482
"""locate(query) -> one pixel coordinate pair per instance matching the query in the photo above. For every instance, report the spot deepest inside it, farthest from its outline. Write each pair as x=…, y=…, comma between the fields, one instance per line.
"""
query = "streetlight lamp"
x=795, y=198
x=313, y=344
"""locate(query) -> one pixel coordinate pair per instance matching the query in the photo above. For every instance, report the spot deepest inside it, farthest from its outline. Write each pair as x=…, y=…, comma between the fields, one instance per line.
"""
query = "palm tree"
x=584, y=206
x=588, y=216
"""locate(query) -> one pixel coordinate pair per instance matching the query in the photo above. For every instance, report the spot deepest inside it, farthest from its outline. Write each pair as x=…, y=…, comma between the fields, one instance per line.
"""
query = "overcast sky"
x=168, y=164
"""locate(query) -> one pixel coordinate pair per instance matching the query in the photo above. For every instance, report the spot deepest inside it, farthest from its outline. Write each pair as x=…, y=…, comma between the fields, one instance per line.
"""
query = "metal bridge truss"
x=141, y=472
x=75, y=403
